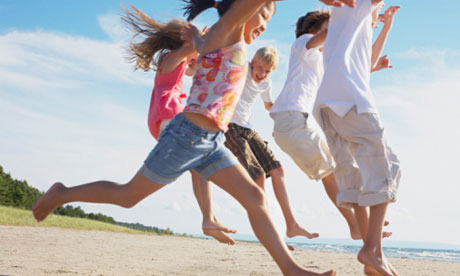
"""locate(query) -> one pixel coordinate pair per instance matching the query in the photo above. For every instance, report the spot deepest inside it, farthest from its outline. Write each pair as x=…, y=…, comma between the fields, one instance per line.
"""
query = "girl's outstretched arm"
x=339, y=3
x=379, y=44
x=176, y=57
x=243, y=11
x=230, y=28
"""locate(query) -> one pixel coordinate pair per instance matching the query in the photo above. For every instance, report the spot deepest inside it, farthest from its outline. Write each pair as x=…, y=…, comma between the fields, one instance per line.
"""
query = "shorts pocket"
x=287, y=121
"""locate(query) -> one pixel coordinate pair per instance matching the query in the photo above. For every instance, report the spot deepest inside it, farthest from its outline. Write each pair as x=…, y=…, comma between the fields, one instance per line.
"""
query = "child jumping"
x=250, y=149
x=293, y=129
x=367, y=170
x=160, y=45
x=194, y=138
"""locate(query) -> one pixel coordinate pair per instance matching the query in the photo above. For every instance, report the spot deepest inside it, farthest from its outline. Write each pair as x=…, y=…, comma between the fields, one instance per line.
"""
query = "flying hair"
x=152, y=39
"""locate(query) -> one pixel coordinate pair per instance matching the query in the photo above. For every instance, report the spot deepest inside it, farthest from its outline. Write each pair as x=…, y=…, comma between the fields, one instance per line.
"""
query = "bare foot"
x=219, y=236
x=218, y=231
x=295, y=230
x=209, y=225
x=48, y=202
x=370, y=271
x=373, y=260
x=393, y=270
x=290, y=247
x=386, y=234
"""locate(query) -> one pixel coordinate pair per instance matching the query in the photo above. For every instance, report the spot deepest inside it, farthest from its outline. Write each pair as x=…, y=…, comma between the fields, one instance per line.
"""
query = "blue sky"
x=71, y=109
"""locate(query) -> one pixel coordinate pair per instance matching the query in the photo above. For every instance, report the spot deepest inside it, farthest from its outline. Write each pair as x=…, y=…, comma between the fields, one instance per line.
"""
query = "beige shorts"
x=295, y=135
x=367, y=170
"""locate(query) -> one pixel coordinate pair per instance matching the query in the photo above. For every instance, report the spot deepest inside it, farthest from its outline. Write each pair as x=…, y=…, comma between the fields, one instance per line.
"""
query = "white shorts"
x=367, y=170
x=295, y=135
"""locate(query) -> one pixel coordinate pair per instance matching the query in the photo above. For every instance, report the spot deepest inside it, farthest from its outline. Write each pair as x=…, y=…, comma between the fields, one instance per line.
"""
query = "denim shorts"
x=183, y=146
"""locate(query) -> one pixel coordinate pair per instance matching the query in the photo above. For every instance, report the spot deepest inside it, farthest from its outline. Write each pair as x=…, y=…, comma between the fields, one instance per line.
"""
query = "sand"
x=53, y=251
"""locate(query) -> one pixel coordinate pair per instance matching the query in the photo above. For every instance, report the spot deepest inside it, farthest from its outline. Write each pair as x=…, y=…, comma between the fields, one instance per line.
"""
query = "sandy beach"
x=52, y=251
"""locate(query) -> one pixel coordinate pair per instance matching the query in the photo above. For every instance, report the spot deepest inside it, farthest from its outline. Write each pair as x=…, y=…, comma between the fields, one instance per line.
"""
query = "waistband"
x=182, y=124
x=291, y=113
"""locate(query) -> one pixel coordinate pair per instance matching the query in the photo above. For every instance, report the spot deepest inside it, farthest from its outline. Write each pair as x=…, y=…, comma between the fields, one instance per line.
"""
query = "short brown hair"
x=311, y=22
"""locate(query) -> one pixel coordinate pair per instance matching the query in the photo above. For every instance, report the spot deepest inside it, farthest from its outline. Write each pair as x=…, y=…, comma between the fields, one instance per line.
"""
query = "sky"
x=73, y=110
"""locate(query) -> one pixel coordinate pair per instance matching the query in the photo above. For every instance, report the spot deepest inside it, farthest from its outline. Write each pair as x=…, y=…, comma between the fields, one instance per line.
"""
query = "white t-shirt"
x=250, y=92
x=304, y=77
x=347, y=61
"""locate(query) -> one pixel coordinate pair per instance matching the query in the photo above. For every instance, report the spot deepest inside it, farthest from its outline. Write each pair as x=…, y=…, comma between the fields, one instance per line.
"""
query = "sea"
x=392, y=249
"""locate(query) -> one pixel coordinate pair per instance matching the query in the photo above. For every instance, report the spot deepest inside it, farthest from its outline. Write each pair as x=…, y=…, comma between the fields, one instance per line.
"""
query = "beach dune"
x=53, y=251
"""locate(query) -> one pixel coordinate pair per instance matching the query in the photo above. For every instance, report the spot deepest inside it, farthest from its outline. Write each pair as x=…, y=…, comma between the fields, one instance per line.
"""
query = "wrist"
x=387, y=26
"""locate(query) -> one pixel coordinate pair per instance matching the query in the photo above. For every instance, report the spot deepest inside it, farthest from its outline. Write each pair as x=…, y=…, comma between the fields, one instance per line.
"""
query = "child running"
x=250, y=149
x=194, y=138
x=367, y=171
x=162, y=47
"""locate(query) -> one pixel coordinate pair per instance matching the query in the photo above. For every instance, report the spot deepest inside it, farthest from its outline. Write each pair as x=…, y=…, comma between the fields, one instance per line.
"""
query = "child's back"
x=347, y=60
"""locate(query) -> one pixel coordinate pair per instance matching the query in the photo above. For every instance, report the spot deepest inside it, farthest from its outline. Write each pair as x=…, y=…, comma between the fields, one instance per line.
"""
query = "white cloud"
x=112, y=25
x=71, y=109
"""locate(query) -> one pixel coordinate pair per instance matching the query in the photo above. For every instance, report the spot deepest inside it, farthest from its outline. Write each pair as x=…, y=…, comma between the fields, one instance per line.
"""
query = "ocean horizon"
x=431, y=251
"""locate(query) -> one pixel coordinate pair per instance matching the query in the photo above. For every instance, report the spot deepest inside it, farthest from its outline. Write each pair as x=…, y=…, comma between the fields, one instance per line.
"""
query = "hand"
x=188, y=33
x=382, y=63
x=388, y=16
x=339, y=3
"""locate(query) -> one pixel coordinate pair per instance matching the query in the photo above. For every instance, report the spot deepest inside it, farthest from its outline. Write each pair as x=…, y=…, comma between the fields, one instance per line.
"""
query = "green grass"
x=19, y=217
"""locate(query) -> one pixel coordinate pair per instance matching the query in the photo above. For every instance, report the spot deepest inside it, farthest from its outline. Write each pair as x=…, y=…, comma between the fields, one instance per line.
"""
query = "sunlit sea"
x=392, y=249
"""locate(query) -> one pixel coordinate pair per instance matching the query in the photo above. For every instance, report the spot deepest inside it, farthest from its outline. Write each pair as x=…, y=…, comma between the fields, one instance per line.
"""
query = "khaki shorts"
x=251, y=150
x=367, y=170
x=295, y=135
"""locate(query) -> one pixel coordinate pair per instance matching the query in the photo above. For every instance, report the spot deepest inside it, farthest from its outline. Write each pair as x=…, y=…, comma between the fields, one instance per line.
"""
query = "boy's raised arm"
x=377, y=48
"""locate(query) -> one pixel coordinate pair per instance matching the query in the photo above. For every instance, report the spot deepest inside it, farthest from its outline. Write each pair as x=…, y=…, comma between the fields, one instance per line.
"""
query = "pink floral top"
x=218, y=83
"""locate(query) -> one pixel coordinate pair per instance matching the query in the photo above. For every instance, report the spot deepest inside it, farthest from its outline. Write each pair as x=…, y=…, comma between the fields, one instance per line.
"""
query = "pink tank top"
x=166, y=97
x=218, y=83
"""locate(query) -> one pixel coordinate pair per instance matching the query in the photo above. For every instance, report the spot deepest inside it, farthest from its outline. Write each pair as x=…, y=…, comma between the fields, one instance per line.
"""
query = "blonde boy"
x=246, y=144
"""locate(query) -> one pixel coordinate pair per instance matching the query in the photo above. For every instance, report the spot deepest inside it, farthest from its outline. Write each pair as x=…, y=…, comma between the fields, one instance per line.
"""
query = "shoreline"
x=54, y=251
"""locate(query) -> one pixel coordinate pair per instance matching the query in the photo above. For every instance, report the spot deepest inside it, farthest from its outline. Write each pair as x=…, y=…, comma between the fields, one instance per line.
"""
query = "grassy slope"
x=13, y=216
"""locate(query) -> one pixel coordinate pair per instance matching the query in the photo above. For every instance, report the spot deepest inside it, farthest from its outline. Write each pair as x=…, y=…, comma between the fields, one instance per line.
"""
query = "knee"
x=128, y=198
x=277, y=173
x=257, y=199
x=128, y=203
x=260, y=181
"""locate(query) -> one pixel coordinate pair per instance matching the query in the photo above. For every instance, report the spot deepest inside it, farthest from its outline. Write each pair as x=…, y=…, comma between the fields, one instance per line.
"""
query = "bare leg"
x=371, y=254
x=211, y=227
x=236, y=181
x=260, y=181
x=279, y=186
x=126, y=195
x=330, y=185
x=362, y=215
